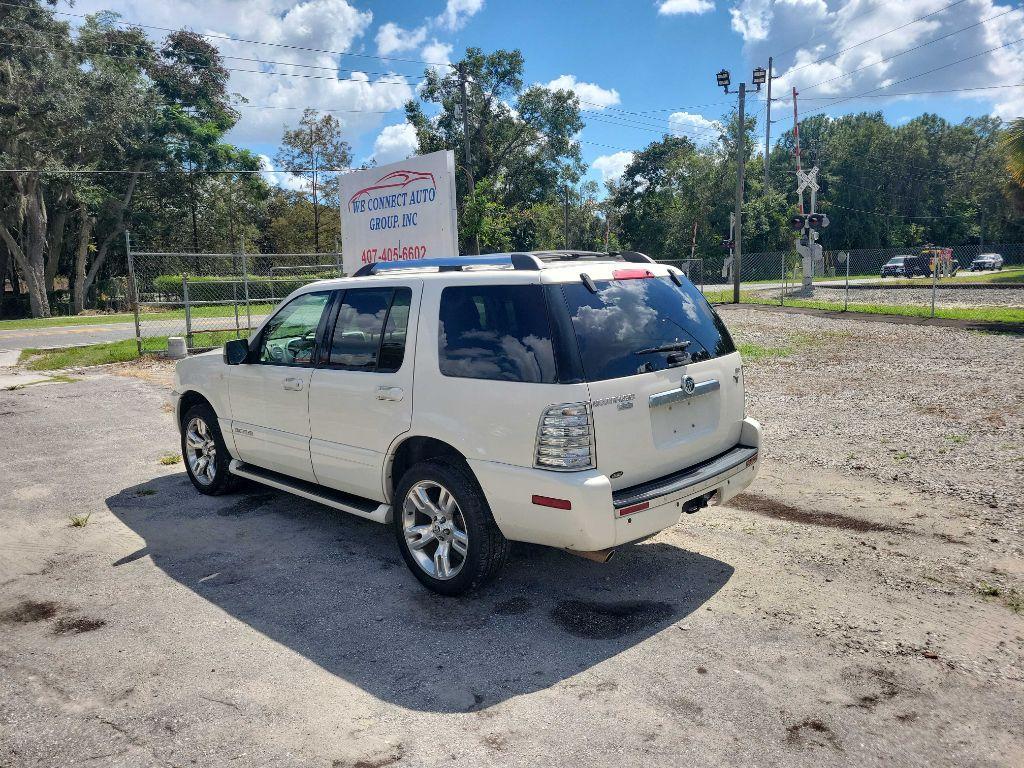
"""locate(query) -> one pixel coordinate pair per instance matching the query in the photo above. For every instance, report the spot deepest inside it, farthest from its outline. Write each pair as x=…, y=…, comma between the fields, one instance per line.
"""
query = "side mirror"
x=235, y=351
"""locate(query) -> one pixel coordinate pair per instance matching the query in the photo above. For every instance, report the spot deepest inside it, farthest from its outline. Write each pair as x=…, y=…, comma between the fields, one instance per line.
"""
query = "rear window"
x=497, y=332
x=617, y=327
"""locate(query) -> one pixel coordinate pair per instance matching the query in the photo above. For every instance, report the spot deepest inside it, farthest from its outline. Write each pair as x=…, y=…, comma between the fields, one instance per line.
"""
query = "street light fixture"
x=723, y=79
x=760, y=76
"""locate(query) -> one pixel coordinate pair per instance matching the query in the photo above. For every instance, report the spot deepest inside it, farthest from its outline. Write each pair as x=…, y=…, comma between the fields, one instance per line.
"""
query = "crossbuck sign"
x=400, y=211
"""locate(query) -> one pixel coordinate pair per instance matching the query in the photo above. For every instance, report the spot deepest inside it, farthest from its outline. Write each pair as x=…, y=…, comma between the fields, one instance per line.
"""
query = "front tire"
x=445, y=530
x=205, y=454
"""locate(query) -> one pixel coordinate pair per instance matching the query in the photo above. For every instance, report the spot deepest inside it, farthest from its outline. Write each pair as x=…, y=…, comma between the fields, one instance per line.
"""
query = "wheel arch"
x=188, y=399
x=413, y=449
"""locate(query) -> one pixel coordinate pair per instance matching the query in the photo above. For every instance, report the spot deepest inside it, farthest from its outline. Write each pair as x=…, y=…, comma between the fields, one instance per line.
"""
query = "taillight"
x=565, y=438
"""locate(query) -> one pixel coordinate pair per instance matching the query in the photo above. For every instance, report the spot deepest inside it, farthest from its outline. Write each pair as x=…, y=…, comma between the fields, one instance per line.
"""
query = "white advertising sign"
x=400, y=211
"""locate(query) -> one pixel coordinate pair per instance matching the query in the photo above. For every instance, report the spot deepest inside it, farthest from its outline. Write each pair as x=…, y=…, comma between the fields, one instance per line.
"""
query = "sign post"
x=401, y=211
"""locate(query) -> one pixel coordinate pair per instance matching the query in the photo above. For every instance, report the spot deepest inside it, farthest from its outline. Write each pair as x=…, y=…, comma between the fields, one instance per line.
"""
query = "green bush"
x=227, y=287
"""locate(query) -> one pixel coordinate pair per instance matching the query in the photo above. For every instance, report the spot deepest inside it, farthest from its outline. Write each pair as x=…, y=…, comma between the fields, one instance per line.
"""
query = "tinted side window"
x=392, y=345
x=360, y=340
x=290, y=336
x=495, y=332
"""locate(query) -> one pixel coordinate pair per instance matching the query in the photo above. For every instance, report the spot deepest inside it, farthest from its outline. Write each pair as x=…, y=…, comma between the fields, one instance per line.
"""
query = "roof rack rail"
x=518, y=261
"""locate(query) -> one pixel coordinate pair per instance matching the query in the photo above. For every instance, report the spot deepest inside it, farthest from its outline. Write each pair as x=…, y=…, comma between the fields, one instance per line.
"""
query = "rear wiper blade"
x=675, y=346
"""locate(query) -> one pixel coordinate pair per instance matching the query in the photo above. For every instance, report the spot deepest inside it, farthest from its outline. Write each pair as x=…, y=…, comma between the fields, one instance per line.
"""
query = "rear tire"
x=444, y=528
x=204, y=452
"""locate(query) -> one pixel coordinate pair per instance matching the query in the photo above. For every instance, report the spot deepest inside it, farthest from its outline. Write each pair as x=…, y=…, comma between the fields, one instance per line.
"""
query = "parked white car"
x=575, y=400
x=986, y=261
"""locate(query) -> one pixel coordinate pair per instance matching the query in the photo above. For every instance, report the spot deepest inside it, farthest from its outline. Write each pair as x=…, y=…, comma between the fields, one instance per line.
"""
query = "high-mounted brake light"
x=631, y=274
x=565, y=438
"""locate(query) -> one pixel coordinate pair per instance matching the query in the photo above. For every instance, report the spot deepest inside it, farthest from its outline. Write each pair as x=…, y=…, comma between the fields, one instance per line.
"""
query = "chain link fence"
x=883, y=281
x=208, y=298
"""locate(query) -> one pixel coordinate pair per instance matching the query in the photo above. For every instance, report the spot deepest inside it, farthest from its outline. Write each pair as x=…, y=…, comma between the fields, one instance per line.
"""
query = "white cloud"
x=276, y=100
x=675, y=7
x=395, y=142
x=591, y=95
x=438, y=54
x=391, y=38
x=278, y=179
x=695, y=127
x=811, y=29
x=612, y=166
x=457, y=13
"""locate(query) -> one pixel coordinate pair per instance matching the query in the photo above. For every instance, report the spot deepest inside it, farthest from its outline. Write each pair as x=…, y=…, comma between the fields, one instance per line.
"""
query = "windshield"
x=896, y=260
x=641, y=325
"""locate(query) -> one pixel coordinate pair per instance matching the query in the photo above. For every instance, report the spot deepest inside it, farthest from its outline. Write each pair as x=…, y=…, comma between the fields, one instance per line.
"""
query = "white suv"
x=576, y=400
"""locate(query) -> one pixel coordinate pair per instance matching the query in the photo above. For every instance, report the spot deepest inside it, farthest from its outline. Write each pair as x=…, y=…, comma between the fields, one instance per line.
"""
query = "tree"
x=315, y=151
x=1013, y=145
x=522, y=139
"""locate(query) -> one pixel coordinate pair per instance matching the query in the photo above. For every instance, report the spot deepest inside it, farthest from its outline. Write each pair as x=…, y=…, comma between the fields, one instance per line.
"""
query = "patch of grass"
x=170, y=459
x=956, y=438
x=80, y=521
x=979, y=314
x=111, y=352
x=1012, y=275
x=125, y=317
x=901, y=456
x=755, y=353
x=146, y=492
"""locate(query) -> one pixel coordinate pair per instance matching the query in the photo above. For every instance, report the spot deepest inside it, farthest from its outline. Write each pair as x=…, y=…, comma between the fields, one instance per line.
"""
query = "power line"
x=908, y=50
x=244, y=40
x=254, y=71
x=917, y=93
x=914, y=77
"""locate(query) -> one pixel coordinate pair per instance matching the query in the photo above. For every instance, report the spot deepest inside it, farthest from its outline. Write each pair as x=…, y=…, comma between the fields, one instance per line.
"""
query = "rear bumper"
x=599, y=518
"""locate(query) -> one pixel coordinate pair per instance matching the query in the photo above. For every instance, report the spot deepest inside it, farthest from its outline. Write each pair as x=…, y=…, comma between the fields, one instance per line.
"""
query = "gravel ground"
x=939, y=409
x=945, y=297
x=852, y=608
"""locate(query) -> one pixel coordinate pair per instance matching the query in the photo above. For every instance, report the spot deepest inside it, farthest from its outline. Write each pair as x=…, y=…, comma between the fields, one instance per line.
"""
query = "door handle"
x=390, y=393
x=294, y=384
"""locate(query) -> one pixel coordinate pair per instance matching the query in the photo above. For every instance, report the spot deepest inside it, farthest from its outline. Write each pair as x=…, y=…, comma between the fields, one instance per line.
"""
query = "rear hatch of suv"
x=665, y=380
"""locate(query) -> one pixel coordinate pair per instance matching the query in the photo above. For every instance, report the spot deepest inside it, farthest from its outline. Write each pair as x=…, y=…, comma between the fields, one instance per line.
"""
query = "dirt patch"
x=77, y=625
x=762, y=505
x=29, y=611
x=812, y=733
x=601, y=621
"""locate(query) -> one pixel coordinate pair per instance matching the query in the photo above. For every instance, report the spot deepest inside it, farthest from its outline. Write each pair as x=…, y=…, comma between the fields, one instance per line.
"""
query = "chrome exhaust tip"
x=598, y=556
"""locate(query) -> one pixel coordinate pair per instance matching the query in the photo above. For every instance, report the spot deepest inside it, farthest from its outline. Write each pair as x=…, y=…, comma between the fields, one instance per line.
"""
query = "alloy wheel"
x=201, y=451
x=434, y=529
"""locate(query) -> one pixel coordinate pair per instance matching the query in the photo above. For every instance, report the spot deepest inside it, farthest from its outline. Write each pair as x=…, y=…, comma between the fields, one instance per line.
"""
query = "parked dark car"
x=906, y=266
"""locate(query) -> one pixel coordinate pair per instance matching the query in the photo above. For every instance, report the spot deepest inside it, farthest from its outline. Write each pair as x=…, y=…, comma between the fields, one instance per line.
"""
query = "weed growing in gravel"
x=901, y=456
x=957, y=438
x=988, y=590
x=80, y=521
x=146, y=492
x=170, y=459
x=1011, y=598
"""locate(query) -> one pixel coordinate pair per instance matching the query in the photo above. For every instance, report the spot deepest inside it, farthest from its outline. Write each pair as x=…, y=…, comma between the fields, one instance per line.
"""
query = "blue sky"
x=656, y=57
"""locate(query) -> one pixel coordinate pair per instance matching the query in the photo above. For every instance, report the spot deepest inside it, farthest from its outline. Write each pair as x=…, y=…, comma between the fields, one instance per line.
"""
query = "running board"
x=346, y=502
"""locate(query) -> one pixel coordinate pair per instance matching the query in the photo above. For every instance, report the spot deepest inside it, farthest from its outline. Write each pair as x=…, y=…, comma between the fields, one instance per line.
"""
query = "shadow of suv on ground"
x=334, y=588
